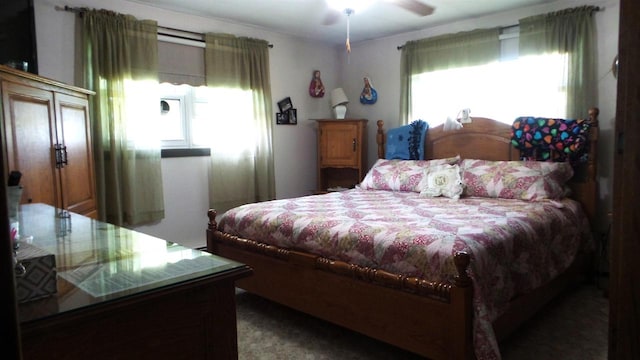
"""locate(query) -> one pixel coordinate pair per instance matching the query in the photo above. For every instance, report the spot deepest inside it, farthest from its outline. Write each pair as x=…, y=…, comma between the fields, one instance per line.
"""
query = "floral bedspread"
x=515, y=245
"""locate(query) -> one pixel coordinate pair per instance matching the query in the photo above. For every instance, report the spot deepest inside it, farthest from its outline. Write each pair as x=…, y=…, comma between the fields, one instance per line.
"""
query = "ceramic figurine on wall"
x=369, y=95
x=316, y=89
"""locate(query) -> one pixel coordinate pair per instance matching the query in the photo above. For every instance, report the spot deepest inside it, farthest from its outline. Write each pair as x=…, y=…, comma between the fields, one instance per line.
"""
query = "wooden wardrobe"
x=47, y=137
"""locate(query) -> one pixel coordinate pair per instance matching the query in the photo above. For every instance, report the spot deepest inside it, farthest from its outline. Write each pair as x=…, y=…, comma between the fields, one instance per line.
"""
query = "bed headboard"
x=489, y=139
x=493, y=137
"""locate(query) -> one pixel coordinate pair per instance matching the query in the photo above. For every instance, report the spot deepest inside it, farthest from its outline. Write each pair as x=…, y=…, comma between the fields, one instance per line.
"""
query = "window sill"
x=185, y=152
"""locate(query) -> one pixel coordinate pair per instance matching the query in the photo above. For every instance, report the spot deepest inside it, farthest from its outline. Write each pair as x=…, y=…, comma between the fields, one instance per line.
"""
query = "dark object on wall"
x=293, y=116
x=282, y=118
x=18, y=35
x=285, y=104
x=289, y=117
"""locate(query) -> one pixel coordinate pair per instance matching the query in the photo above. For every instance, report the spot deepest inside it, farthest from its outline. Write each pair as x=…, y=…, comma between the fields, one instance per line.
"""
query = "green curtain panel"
x=462, y=49
x=241, y=174
x=572, y=32
x=120, y=63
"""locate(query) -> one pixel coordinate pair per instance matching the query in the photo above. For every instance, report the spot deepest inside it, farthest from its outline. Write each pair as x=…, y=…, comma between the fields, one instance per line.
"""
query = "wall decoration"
x=316, y=88
x=282, y=118
x=369, y=95
x=289, y=117
x=293, y=116
x=285, y=104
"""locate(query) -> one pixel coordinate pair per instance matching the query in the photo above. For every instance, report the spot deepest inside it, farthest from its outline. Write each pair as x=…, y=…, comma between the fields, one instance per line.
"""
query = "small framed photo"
x=282, y=118
x=285, y=104
x=293, y=116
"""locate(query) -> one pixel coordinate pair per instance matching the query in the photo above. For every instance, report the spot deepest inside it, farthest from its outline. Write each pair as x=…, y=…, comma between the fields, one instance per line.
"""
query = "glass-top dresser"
x=124, y=294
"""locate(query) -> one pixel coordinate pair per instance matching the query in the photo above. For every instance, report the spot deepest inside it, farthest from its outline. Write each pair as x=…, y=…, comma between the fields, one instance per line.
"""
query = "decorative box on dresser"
x=342, y=153
x=47, y=137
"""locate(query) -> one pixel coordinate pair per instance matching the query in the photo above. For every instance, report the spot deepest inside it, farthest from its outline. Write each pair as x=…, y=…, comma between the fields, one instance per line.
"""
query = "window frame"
x=184, y=142
x=184, y=147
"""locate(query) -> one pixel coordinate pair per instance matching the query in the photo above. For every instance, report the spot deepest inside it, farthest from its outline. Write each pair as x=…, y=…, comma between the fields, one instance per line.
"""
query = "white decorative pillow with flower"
x=443, y=180
x=400, y=175
x=524, y=180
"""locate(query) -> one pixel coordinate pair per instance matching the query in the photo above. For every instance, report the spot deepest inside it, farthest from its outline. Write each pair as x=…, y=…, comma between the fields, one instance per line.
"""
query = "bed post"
x=592, y=162
x=592, y=167
x=211, y=227
x=462, y=309
x=380, y=139
x=586, y=187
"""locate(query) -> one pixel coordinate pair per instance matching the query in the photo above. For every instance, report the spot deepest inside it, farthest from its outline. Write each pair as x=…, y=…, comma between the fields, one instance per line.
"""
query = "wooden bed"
x=430, y=318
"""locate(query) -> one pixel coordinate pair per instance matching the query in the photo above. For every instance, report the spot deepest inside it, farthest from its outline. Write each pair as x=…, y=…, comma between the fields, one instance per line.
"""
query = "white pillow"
x=443, y=180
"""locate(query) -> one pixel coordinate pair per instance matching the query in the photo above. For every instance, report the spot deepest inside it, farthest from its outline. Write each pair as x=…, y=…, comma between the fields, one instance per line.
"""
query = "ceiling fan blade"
x=331, y=17
x=415, y=6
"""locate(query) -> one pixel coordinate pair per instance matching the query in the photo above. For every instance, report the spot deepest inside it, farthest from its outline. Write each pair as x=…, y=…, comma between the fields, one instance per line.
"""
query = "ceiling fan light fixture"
x=355, y=6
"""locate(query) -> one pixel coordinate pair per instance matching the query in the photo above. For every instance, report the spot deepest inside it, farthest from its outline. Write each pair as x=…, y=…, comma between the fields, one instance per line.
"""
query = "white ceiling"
x=305, y=18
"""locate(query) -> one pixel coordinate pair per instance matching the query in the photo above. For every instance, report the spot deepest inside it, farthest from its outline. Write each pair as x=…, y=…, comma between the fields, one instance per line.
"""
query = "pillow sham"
x=524, y=180
x=400, y=175
x=407, y=142
x=443, y=180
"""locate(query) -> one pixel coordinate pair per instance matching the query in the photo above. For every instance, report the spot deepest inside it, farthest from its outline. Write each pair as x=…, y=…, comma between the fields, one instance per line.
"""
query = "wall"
x=292, y=62
x=380, y=60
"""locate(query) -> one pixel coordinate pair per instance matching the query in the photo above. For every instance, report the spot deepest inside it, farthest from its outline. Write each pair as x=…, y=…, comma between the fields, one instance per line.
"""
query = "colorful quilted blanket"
x=515, y=245
x=546, y=139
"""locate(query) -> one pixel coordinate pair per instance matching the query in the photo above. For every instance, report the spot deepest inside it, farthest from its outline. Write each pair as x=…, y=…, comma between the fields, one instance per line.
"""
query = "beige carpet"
x=573, y=326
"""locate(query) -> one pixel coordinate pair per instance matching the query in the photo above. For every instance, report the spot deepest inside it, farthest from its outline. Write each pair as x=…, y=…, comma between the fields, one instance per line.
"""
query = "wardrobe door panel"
x=30, y=137
x=77, y=173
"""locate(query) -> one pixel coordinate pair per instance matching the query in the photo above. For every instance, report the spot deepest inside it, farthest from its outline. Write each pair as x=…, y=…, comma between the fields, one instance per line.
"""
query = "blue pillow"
x=407, y=142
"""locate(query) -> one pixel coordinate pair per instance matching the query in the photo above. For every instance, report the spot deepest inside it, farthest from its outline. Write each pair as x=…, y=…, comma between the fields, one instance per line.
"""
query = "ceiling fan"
x=349, y=7
x=340, y=7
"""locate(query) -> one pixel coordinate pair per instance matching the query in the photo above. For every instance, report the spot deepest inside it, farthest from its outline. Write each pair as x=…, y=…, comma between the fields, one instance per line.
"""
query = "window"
x=197, y=117
x=502, y=90
x=175, y=106
x=194, y=116
x=181, y=61
x=219, y=112
x=172, y=124
x=141, y=129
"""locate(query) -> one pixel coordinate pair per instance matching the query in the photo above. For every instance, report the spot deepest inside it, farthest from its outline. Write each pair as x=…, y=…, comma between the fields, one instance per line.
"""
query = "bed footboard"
x=431, y=319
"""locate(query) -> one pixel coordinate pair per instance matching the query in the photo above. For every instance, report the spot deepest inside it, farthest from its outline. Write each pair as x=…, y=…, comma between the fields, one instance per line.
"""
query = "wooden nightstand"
x=342, y=153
